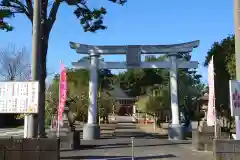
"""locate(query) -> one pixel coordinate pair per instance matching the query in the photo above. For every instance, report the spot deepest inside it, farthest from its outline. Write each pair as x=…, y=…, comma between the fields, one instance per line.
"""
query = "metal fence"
x=29, y=149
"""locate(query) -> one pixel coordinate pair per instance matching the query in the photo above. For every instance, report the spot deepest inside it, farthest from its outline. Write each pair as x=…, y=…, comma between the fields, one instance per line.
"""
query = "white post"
x=174, y=91
x=146, y=117
x=93, y=90
x=25, y=126
x=58, y=122
x=215, y=120
x=237, y=55
x=134, y=110
x=132, y=141
x=113, y=117
x=134, y=118
x=154, y=122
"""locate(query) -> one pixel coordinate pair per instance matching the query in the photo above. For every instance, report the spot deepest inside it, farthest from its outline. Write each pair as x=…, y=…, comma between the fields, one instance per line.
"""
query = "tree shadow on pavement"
x=118, y=157
x=124, y=145
x=135, y=134
x=135, y=146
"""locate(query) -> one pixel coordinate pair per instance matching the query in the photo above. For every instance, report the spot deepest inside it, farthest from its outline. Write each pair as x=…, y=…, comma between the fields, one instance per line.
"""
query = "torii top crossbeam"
x=143, y=49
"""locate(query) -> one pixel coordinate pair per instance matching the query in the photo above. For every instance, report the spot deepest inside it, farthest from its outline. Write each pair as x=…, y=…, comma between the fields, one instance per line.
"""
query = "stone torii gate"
x=91, y=130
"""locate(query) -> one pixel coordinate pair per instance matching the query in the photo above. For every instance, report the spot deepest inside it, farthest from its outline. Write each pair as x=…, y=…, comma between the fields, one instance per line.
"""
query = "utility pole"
x=237, y=54
x=31, y=119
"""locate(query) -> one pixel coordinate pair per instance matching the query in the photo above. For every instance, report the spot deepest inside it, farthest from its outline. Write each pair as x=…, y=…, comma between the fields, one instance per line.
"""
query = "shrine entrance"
x=125, y=106
x=125, y=111
x=133, y=60
x=122, y=100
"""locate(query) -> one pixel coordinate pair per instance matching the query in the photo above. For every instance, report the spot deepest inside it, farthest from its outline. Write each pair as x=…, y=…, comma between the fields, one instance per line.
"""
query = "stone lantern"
x=203, y=105
x=68, y=117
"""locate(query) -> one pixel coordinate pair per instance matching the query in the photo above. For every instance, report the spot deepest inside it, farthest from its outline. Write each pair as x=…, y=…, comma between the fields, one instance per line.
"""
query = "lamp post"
x=30, y=126
x=237, y=54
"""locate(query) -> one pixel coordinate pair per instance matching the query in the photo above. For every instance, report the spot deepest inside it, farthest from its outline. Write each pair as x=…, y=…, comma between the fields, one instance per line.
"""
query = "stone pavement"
x=146, y=146
x=148, y=128
x=106, y=131
x=11, y=132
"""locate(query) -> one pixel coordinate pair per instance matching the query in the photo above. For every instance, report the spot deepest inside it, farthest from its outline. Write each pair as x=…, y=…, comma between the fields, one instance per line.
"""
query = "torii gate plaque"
x=133, y=53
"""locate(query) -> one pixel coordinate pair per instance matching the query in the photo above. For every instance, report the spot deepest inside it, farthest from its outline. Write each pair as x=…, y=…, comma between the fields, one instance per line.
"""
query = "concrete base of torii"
x=176, y=132
x=91, y=131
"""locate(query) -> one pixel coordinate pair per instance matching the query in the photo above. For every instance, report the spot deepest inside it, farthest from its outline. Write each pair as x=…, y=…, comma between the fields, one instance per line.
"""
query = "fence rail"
x=29, y=149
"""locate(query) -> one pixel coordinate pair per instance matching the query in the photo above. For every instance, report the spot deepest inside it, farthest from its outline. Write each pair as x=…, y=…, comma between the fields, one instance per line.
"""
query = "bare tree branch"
x=14, y=63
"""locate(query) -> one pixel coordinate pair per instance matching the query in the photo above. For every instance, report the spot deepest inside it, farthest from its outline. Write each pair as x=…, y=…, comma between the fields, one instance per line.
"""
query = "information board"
x=234, y=87
x=19, y=97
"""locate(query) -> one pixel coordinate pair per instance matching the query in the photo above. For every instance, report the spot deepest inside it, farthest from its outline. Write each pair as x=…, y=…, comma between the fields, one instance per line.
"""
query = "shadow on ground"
x=120, y=132
x=119, y=157
x=117, y=145
x=138, y=135
x=125, y=139
x=124, y=145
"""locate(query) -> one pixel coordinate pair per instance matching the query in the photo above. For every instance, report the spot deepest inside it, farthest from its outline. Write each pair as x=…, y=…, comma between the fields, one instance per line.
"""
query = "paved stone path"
x=8, y=132
x=146, y=146
x=106, y=131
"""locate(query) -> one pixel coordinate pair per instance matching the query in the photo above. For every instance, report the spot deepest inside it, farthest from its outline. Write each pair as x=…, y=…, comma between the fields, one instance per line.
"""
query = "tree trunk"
x=42, y=78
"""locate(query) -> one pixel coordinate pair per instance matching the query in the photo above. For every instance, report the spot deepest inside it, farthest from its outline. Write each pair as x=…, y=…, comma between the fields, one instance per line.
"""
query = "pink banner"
x=211, y=94
x=62, y=91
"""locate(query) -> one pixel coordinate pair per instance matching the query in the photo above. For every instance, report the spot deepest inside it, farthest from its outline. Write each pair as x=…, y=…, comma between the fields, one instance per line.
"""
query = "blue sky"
x=138, y=22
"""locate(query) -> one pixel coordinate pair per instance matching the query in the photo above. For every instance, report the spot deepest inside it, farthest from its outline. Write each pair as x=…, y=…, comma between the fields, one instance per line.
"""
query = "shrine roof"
x=118, y=93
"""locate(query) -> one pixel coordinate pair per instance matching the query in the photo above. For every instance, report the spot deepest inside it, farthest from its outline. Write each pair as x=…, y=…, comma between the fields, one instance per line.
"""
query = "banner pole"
x=215, y=120
x=59, y=99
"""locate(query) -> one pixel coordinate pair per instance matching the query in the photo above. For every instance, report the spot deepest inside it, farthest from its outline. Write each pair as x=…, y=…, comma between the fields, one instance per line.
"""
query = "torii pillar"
x=175, y=130
x=91, y=130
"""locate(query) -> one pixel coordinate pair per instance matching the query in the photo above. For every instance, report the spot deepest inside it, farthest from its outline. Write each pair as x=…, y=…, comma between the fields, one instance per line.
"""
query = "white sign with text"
x=234, y=89
x=19, y=97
